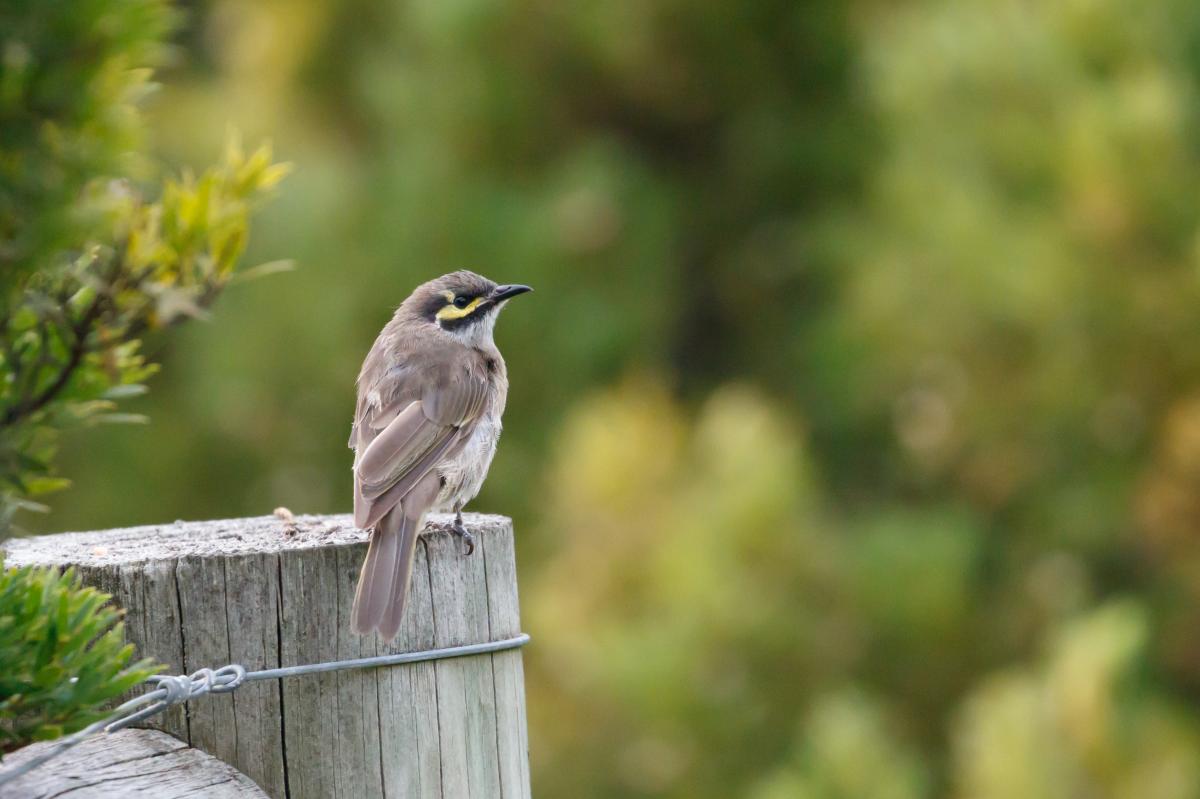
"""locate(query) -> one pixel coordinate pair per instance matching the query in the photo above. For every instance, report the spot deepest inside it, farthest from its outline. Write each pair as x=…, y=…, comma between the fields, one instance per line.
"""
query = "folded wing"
x=422, y=432
x=398, y=445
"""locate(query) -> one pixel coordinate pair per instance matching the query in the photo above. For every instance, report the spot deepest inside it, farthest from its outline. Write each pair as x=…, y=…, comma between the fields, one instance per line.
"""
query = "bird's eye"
x=461, y=302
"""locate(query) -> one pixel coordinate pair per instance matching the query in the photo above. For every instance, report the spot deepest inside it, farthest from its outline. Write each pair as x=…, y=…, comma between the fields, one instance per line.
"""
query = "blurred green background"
x=854, y=434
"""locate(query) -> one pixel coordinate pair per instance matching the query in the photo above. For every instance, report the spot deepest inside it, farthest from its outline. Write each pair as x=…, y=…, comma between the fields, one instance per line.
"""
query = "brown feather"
x=376, y=580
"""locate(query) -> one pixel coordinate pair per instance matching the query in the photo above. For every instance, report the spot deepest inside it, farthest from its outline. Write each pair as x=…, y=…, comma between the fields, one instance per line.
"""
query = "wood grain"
x=129, y=763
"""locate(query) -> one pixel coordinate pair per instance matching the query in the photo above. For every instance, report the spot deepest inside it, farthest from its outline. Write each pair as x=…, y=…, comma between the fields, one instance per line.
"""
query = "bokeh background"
x=854, y=435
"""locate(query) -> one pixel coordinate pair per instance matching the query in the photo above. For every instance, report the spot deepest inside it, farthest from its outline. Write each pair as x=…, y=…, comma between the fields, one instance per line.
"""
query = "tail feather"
x=393, y=614
x=386, y=572
x=383, y=583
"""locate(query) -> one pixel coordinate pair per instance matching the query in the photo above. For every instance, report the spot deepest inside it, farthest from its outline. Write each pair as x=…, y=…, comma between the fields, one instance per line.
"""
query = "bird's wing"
x=394, y=455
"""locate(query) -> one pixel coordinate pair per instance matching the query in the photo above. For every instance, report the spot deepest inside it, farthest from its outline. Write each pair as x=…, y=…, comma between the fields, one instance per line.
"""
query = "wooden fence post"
x=267, y=592
x=129, y=764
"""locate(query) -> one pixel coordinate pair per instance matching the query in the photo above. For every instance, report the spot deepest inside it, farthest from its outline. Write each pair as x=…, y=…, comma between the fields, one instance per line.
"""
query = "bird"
x=430, y=396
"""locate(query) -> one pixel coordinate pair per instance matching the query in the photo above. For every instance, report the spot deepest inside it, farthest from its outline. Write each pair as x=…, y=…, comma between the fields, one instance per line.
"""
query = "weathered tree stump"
x=126, y=764
x=265, y=593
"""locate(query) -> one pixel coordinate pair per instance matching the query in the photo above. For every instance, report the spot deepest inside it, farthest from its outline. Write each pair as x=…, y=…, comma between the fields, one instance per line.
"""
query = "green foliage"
x=71, y=346
x=860, y=382
x=87, y=266
x=64, y=654
x=845, y=749
x=70, y=74
x=1083, y=721
x=708, y=585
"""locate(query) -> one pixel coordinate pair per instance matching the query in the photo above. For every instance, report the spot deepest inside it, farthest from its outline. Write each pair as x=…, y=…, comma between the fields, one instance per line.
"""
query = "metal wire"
x=172, y=690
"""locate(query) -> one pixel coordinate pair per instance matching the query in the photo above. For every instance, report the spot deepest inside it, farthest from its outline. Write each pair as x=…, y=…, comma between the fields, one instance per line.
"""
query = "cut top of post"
x=223, y=537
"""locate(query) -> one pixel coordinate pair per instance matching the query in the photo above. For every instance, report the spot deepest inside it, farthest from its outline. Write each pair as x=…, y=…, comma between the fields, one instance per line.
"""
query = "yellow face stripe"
x=451, y=312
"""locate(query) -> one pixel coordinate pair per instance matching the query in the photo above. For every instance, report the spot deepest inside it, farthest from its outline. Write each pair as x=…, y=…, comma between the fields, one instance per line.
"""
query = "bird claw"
x=467, y=538
x=457, y=528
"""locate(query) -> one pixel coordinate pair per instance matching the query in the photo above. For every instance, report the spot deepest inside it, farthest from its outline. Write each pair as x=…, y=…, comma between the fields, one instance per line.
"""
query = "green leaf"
x=263, y=270
x=120, y=418
x=48, y=732
x=29, y=505
x=124, y=391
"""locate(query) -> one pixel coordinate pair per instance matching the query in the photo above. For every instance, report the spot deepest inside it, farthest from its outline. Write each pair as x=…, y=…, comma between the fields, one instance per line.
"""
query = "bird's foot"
x=457, y=528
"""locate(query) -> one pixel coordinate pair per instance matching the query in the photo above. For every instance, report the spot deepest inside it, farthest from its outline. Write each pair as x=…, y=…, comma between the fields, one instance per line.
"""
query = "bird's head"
x=463, y=303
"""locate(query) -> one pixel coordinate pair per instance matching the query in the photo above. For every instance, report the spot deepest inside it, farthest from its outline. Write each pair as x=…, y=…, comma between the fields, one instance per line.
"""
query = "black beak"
x=501, y=293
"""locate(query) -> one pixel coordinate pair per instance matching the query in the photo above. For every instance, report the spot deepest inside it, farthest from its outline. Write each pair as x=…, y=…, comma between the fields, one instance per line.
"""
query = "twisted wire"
x=175, y=689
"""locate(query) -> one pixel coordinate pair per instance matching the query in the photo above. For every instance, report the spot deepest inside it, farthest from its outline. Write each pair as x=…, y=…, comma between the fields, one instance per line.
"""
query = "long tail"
x=383, y=584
